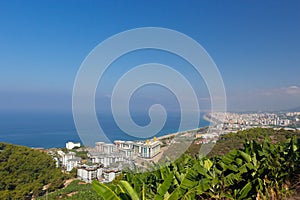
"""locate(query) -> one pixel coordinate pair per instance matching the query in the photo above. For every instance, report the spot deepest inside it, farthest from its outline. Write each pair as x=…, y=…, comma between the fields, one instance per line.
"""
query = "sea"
x=50, y=130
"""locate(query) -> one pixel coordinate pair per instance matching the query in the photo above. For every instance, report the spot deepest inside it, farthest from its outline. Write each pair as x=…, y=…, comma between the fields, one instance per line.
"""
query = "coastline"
x=45, y=135
x=205, y=117
x=172, y=135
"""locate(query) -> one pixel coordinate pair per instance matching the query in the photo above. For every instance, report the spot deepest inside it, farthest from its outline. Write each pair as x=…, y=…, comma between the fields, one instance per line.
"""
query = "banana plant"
x=257, y=171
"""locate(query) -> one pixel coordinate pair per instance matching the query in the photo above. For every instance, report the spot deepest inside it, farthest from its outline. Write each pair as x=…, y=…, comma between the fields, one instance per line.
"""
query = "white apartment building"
x=71, y=145
x=106, y=159
x=148, y=149
x=105, y=148
x=110, y=174
x=124, y=147
x=60, y=153
x=67, y=156
x=69, y=160
x=143, y=149
x=89, y=173
x=71, y=163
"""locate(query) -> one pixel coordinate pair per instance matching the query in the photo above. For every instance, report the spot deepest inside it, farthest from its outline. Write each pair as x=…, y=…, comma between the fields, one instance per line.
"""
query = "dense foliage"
x=77, y=190
x=259, y=170
x=25, y=171
x=231, y=141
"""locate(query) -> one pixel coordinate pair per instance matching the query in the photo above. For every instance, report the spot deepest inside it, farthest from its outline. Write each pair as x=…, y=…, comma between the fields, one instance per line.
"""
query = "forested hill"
x=24, y=172
x=231, y=141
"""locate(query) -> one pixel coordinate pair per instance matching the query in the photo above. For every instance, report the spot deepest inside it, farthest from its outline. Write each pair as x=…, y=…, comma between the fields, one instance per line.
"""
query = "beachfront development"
x=105, y=161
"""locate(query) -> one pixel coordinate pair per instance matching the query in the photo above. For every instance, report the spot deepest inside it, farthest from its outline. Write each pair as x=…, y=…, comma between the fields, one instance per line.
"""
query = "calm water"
x=54, y=130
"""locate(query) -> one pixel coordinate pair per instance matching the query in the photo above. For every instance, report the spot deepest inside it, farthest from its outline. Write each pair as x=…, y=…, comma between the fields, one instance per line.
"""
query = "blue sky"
x=255, y=44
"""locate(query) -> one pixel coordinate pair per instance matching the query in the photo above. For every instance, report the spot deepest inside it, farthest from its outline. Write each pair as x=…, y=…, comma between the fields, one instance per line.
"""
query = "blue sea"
x=48, y=130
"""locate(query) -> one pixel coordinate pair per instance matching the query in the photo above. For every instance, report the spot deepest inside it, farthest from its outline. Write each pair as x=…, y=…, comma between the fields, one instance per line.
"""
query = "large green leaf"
x=128, y=190
x=245, y=190
x=143, y=192
x=246, y=156
x=174, y=195
x=207, y=164
x=163, y=188
x=104, y=191
x=230, y=157
x=231, y=178
x=189, y=181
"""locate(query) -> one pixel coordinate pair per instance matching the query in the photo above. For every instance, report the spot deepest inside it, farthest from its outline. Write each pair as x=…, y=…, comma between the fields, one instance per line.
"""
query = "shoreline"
x=169, y=135
x=205, y=117
x=51, y=145
x=181, y=132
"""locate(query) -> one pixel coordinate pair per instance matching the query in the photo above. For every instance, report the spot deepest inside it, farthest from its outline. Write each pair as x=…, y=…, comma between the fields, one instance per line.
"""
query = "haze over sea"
x=55, y=129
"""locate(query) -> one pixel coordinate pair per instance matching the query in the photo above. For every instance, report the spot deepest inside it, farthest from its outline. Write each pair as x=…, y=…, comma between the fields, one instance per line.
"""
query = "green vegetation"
x=257, y=163
x=77, y=190
x=230, y=141
x=81, y=154
x=24, y=172
x=261, y=169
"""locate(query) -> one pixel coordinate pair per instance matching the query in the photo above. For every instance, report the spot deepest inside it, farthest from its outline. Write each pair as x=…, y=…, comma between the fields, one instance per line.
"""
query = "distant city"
x=236, y=122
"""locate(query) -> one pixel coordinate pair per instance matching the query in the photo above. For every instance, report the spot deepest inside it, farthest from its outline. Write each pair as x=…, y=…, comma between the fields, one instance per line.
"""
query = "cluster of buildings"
x=205, y=138
x=294, y=115
x=222, y=123
x=105, y=161
x=68, y=160
x=236, y=121
x=88, y=173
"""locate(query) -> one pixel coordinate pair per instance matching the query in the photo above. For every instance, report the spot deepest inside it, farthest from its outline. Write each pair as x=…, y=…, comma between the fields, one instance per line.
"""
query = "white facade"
x=105, y=159
x=147, y=149
x=71, y=163
x=110, y=174
x=71, y=145
x=56, y=161
x=67, y=157
x=69, y=160
x=60, y=153
x=88, y=173
x=104, y=148
x=124, y=147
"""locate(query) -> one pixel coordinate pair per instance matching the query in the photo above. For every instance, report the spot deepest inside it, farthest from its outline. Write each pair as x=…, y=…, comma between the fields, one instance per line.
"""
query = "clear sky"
x=255, y=44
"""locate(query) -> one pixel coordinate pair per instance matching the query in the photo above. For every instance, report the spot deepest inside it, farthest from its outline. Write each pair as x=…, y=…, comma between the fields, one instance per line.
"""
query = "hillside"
x=232, y=141
x=266, y=166
x=25, y=171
